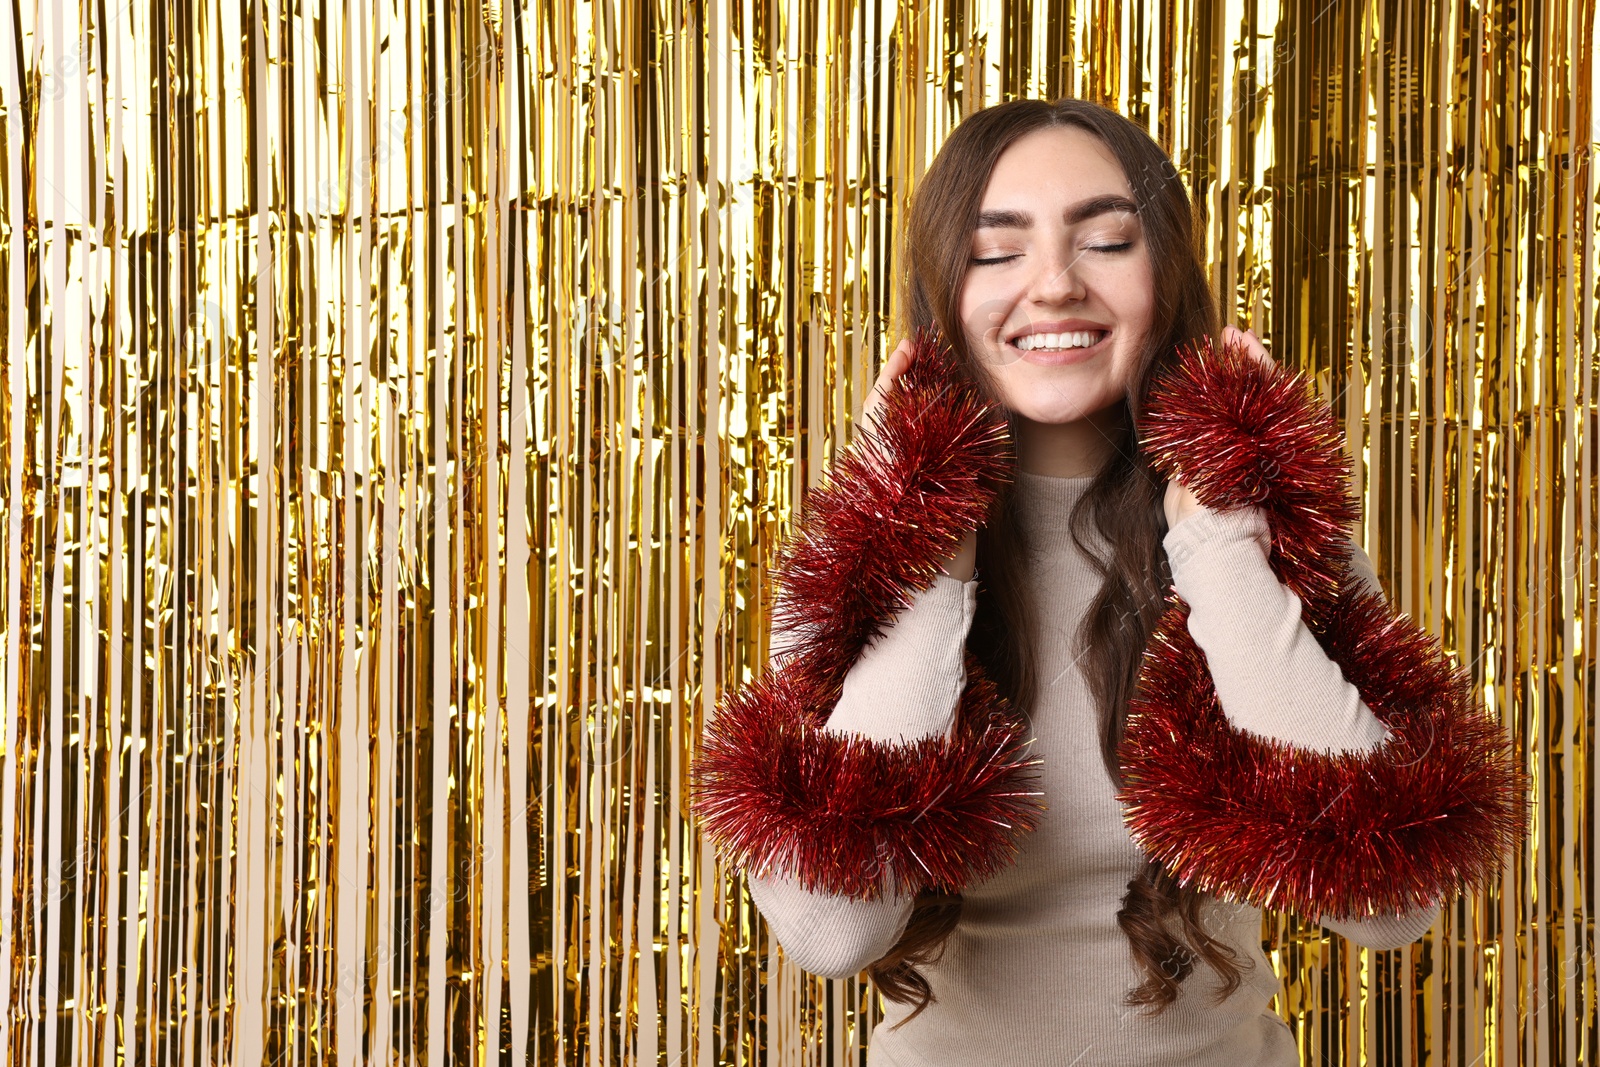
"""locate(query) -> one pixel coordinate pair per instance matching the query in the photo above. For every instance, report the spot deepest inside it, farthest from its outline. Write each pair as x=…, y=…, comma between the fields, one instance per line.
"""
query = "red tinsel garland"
x=772, y=789
x=1428, y=814
x=1239, y=816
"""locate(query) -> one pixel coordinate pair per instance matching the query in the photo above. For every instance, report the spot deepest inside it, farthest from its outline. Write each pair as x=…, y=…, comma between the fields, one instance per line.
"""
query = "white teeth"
x=1080, y=339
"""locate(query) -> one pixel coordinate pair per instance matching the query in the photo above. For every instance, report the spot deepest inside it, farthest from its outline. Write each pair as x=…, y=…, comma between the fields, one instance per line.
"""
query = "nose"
x=1058, y=281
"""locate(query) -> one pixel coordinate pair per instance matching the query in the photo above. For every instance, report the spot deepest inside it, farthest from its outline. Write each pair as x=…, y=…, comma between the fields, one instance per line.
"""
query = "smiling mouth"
x=1098, y=338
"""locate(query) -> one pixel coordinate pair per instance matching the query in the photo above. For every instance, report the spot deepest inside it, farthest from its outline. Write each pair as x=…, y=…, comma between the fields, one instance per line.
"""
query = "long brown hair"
x=1123, y=501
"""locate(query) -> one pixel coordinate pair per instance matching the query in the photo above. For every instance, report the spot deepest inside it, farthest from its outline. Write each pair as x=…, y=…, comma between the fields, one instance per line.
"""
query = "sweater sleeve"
x=1384, y=931
x=906, y=686
x=1271, y=676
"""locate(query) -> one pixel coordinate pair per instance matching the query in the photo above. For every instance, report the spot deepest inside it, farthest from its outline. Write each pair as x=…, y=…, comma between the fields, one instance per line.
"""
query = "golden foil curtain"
x=402, y=403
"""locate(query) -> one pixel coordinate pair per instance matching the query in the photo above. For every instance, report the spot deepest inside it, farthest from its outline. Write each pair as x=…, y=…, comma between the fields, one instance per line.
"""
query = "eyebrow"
x=1087, y=209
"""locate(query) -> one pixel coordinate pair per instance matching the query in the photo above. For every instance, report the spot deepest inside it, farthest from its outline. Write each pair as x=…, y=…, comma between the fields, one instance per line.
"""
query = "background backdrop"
x=402, y=403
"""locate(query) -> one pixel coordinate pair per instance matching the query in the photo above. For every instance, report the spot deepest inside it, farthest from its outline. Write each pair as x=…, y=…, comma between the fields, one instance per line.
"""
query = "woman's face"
x=1058, y=297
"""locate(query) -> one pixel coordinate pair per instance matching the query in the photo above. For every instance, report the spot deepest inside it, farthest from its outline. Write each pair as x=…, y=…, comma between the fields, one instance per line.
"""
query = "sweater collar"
x=1045, y=504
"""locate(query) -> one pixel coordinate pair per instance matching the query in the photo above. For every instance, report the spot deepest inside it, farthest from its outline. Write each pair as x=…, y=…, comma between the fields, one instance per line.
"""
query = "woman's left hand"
x=1179, y=502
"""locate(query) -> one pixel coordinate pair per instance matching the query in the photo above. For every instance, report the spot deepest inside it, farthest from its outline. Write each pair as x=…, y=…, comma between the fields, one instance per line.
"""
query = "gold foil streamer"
x=402, y=403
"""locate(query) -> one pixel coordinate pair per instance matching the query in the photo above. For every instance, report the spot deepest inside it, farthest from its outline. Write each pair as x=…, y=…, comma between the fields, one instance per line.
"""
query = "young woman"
x=1052, y=244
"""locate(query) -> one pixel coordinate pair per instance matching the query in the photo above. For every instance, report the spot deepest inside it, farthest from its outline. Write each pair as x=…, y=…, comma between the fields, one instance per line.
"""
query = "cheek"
x=1132, y=292
x=980, y=304
x=1135, y=292
x=1126, y=366
x=984, y=308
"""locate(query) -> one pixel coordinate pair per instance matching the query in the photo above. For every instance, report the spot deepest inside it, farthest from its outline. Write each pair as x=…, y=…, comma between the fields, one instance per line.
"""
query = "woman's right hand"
x=892, y=368
x=964, y=563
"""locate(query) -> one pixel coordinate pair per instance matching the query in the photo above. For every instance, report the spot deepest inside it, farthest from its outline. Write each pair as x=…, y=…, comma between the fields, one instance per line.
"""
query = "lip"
x=1060, y=326
x=1060, y=359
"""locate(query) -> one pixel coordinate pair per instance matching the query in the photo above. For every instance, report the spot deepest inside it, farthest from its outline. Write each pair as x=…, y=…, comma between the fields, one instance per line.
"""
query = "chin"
x=1057, y=414
x=1052, y=416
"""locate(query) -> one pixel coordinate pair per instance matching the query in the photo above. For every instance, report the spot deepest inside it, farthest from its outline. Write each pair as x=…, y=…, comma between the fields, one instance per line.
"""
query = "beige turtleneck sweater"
x=1035, y=972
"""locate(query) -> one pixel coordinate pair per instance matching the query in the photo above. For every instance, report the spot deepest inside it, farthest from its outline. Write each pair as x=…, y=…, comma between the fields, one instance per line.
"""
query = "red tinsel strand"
x=773, y=790
x=1240, y=433
x=1248, y=818
x=853, y=816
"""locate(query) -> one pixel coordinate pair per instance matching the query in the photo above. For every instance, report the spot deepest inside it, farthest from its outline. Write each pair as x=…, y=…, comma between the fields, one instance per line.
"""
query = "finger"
x=895, y=365
x=874, y=396
x=1247, y=340
x=1256, y=348
x=897, y=357
x=900, y=358
x=887, y=373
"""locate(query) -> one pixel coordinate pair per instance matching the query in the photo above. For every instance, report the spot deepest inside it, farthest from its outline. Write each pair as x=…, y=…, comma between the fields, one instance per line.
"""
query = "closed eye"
x=1103, y=248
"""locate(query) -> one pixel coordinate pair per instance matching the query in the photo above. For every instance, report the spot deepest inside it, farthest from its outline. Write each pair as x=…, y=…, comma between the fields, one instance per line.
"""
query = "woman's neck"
x=1074, y=449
